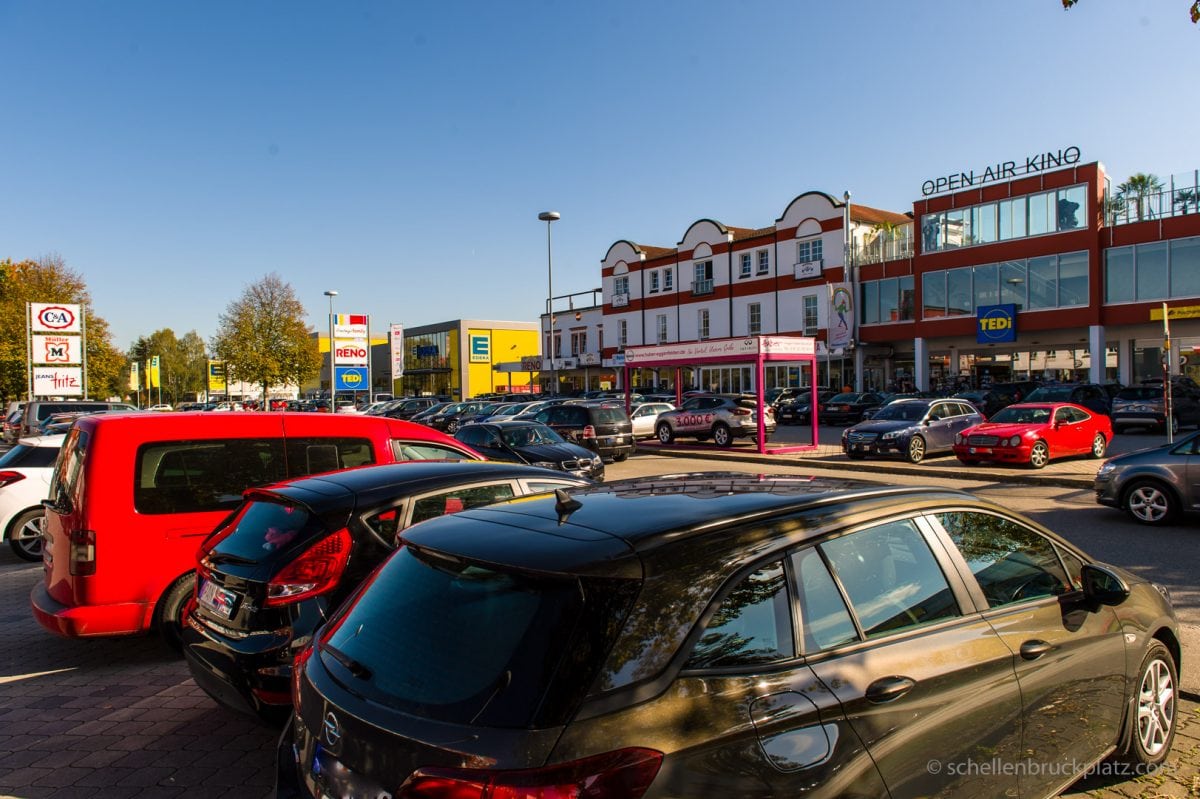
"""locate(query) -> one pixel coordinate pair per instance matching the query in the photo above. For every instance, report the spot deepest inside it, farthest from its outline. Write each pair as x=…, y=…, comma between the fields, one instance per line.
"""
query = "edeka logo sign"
x=481, y=348
x=996, y=324
x=351, y=378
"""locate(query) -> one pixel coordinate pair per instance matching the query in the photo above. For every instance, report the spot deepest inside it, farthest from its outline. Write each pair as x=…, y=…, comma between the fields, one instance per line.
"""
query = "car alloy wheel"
x=664, y=433
x=1156, y=700
x=452, y=426
x=1098, y=446
x=916, y=449
x=1149, y=502
x=26, y=538
x=721, y=435
x=1039, y=455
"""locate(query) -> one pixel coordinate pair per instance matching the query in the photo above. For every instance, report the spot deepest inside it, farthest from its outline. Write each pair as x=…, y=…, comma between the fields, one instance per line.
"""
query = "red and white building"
x=1084, y=277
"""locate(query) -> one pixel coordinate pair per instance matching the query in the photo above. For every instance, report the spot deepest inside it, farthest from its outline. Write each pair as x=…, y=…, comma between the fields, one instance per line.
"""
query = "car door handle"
x=886, y=689
x=1032, y=650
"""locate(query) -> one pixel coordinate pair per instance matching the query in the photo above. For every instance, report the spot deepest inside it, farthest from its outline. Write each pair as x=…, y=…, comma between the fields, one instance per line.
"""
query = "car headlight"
x=1106, y=469
x=845, y=434
x=596, y=460
x=545, y=464
x=960, y=438
x=1162, y=589
x=891, y=434
x=1014, y=441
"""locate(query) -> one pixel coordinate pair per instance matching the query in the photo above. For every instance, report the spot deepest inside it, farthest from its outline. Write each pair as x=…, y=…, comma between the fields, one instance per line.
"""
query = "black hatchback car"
x=532, y=443
x=733, y=636
x=292, y=552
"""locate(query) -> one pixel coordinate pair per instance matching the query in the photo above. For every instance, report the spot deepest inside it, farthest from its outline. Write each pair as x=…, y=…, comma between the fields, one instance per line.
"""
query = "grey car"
x=912, y=428
x=721, y=417
x=1154, y=485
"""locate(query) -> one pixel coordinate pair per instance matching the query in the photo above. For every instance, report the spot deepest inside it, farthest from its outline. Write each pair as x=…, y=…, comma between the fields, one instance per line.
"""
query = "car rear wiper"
x=353, y=666
x=224, y=557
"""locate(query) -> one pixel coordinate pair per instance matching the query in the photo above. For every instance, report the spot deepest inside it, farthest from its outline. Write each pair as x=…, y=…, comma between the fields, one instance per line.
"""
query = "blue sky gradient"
x=173, y=153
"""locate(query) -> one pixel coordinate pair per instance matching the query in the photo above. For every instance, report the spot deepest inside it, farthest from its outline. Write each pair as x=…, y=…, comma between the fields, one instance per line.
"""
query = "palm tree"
x=1114, y=206
x=1187, y=198
x=1140, y=186
x=885, y=231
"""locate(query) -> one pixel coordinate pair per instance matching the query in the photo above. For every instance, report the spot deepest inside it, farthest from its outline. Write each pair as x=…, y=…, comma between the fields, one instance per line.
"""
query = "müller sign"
x=1002, y=171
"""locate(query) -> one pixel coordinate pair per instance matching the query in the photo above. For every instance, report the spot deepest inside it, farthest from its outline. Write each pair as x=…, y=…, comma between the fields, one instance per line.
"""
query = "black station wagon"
x=733, y=636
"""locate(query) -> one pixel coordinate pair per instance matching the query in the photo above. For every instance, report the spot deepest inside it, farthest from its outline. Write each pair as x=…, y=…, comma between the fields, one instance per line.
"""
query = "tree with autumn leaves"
x=49, y=279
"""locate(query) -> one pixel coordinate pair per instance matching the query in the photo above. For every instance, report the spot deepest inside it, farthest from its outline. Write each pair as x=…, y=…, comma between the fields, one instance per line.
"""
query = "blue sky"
x=173, y=153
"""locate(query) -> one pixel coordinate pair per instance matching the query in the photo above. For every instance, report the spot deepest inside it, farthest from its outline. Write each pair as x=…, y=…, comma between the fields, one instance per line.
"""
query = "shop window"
x=870, y=302
x=1151, y=271
x=933, y=295
x=1043, y=282
x=1072, y=279
x=888, y=299
x=958, y=292
x=987, y=291
x=907, y=298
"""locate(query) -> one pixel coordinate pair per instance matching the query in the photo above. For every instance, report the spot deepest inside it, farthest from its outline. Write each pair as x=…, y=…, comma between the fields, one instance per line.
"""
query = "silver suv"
x=723, y=417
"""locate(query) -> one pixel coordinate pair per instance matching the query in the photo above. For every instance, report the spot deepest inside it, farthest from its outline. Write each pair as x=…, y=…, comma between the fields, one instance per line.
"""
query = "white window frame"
x=622, y=333
x=621, y=284
x=809, y=250
x=754, y=318
x=764, y=262
x=662, y=328
x=702, y=324
x=747, y=265
x=668, y=279
x=653, y=281
x=810, y=301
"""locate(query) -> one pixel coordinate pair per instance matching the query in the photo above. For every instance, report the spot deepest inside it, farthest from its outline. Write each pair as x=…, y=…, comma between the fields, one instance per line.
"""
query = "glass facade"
x=1052, y=281
x=1159, y=270
x=888, y=300
x=1015, y=218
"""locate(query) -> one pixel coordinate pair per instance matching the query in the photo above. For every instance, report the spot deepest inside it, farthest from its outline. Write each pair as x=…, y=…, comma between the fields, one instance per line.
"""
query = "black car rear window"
x=1141, y=393
x=458, y=641
x=28, y=457
x=609, y=415
x=263, y=528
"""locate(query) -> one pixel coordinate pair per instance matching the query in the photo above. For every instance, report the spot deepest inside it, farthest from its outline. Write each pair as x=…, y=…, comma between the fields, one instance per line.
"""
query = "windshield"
x=531, y=436
x=1055, y=394
x=905, y=411
x=1014, y=415
x=846, y=398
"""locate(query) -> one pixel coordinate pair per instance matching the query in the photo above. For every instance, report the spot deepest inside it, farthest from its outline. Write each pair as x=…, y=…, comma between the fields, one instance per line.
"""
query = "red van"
x=134, y=495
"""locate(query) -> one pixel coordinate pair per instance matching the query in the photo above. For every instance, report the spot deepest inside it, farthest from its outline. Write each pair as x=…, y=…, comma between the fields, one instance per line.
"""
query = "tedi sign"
x=1004, y=170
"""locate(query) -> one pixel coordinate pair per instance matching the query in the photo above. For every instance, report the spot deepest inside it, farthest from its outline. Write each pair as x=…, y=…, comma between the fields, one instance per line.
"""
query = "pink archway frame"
x=759, y=350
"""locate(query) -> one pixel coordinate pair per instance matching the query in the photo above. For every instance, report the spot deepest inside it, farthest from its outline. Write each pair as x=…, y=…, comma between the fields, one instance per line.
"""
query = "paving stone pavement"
x=121, y=718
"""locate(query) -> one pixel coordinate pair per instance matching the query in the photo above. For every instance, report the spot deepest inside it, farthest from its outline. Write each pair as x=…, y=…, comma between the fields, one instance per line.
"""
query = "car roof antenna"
x=565, y=505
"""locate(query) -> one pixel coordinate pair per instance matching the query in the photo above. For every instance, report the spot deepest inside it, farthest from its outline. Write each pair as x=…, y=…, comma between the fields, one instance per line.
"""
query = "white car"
x=24, y=482
x=645, y=415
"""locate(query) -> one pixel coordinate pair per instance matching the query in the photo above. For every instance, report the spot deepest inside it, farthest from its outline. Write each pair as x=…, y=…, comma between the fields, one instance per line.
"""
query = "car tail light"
x=8, y=478
x=316, y=571
x=589, y=431
x=742, y=412
x=298, y=672
x=83, y=552
x=625, y=773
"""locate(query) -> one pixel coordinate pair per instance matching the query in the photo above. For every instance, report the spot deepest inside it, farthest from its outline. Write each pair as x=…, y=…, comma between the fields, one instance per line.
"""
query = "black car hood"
x=552, y=452
x=882, y=425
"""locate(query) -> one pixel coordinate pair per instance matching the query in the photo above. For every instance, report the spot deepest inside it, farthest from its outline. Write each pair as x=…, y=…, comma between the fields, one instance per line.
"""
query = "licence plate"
x=981, y=450
x=216, y=599
x=859, y=447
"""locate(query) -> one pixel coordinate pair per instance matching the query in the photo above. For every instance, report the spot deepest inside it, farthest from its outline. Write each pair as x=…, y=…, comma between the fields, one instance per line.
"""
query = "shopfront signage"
x=350, y=378
x=1178, y=312
x=50, y=318
x=808, y=270
x=531, y=363
x=995, y=324
x=1039, y=162
x=57, y=381
x=57, y=349
x=396, y=344
x=721, y=348
x=353, y=351
x=481, y=348
x=426, y=351
x=351, y=325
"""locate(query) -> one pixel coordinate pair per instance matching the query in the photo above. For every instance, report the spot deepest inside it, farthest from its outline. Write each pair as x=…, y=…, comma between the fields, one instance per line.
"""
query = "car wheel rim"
x=720, y=437
x=916, y=450
x=664, y=435
x=1098, y=446
x=29, y=537
x=1038, y=456
x=1156, y=707
x=1148, y=504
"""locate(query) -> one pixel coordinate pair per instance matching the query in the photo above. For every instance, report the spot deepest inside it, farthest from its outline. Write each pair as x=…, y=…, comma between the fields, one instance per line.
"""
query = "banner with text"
x=57, y=349
x=396, y=339
x=48, y=317
x=840, y=325
x=57, y=381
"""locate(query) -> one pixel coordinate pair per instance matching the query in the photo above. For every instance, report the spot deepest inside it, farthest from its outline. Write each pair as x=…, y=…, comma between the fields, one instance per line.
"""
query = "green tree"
x=1138, y=188
x=49, y=279
x=182, y=361
x=264, y=339
x=1187, y=198
x=1193, y=11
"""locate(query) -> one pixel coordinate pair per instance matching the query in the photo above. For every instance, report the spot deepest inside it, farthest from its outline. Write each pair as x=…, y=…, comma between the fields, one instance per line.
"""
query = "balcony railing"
x=702, y=287
x=1179, y=195
x=881, y=249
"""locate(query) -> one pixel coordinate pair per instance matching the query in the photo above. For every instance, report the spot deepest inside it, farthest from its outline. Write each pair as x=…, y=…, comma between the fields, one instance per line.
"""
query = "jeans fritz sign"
x=57, y=381
x=54, y=318
x=57, y=349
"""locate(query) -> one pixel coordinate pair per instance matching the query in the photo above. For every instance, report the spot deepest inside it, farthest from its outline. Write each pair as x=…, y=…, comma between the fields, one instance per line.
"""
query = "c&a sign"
x=54, y=317
x=995, y=324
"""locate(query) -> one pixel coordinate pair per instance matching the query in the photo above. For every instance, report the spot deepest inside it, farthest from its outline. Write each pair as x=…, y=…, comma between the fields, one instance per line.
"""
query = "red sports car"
x=1035, y=432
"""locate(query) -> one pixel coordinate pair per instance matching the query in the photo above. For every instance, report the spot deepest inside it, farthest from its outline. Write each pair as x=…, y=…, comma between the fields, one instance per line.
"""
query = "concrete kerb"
x=1039, y=478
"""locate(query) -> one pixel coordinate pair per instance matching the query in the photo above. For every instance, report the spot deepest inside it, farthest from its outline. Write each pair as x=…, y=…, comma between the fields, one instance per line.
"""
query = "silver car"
x=645, y=416
x=1153, y=485
x=721, y=417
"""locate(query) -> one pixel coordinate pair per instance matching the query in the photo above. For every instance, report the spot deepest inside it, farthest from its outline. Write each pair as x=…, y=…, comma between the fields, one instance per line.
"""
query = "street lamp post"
x=331, y=294
x=549, y=217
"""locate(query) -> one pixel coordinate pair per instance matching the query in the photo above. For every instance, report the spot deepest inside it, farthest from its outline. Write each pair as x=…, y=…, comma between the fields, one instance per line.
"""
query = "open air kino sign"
x=1002, y=171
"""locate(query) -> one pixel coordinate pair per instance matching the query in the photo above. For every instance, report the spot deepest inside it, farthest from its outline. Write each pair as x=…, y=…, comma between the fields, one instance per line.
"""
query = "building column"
x=1125, y=361
x=860, y=364
x=1099, y=351
x=920, y=364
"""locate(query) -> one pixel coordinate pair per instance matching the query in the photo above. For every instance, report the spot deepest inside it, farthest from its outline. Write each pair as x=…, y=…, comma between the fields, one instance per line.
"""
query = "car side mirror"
x=1102, y=585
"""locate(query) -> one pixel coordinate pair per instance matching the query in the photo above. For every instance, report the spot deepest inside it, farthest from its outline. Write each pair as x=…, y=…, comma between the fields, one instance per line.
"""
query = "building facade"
x=460, y=358
x=576, y=340
x=1020, y=270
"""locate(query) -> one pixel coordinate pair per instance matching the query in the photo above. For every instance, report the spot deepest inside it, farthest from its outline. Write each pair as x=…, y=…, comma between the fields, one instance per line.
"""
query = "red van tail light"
x=83, y=552
x=316, y=571
x=8, y=478
x=625, y=773
x=589, y=431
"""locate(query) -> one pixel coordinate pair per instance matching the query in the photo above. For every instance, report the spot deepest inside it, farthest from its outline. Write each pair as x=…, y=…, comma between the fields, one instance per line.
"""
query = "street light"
x=549, y=217
x=331, y=294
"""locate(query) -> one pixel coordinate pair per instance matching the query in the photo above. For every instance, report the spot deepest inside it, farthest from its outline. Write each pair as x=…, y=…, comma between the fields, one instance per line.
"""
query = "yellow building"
x=459, y=359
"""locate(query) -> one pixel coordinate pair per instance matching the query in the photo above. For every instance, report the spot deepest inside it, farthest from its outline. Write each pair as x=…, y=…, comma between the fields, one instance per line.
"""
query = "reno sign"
x=54, y=318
